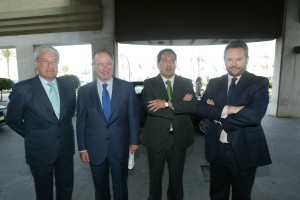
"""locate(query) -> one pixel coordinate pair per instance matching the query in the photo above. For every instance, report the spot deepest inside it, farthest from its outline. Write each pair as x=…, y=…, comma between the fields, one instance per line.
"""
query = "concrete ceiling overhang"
x=74, y=17
x=197, y=22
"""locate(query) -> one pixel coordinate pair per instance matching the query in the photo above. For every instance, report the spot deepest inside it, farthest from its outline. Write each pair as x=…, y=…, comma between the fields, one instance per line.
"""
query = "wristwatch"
x=166, y=104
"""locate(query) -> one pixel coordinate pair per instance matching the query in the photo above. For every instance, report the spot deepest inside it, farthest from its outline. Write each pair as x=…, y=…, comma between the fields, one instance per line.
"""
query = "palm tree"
x=8, y=55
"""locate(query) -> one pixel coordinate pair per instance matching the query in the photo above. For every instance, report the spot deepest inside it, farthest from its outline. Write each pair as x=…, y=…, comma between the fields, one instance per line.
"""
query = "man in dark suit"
x=46, y=125
x=107, y=130
x=168, y=131
x=235, y=143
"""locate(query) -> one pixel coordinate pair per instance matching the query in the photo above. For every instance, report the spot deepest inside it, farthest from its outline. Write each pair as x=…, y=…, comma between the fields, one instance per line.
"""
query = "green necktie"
x=53, y=96
x=169, y=89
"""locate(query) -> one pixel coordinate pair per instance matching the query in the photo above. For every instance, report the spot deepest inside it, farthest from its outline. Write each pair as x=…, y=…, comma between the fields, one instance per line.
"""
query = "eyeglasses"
x=165, y=60
x=101, y=65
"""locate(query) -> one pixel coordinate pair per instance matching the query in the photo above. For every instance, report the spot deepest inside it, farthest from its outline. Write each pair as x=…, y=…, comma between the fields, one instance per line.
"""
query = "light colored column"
x=285, y=99
x=26, y=68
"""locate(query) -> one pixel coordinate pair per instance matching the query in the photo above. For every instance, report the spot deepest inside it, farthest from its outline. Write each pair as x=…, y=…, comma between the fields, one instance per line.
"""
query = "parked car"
x=3, y=110
x=199, y=123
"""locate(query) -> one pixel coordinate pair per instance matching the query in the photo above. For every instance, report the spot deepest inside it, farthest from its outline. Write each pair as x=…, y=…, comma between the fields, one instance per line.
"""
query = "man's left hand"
x=133, y=148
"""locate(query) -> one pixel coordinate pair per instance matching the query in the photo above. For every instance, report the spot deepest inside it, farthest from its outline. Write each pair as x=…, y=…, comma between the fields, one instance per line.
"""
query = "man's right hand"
x=234, y=109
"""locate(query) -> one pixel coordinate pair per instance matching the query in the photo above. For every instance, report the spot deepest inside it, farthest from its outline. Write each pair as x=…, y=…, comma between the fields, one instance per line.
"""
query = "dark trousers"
x=224, y=173
x=63, y=171
x=119, y=175
x=175, y=160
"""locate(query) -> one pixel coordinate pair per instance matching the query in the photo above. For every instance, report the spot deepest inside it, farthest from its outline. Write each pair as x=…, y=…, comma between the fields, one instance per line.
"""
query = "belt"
x=171, y=133
x=221, y=143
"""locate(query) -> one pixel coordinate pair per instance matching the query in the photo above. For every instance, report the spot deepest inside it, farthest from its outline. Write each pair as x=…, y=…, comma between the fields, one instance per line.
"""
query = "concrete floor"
x=279, y=181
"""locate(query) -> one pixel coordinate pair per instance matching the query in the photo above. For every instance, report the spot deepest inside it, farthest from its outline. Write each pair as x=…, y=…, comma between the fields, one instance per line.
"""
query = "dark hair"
x=102, y=51
x=237, y=44
x=164, y=51
x=199, y=79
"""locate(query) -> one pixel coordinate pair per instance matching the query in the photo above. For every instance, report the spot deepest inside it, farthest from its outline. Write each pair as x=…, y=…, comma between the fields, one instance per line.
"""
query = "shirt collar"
x=44, y=81
x=171, y=79
x=109, y=82
x=230, y=77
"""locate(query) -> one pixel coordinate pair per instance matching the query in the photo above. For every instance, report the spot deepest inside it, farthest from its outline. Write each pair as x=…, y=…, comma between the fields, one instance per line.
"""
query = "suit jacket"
x=30, y=114
x=157, y=127
x=95, y=134
x=244, y=130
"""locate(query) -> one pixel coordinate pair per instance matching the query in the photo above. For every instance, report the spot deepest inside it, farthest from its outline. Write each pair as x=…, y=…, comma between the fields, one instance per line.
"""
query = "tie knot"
x=51, y=84
x=233, y=81
x=104, y=85
x=168, y=82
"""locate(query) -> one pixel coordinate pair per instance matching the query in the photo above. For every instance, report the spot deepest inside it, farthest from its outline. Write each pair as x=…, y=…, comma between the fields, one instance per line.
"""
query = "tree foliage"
x=74, y=79
x=8, y=55
x=5, y=84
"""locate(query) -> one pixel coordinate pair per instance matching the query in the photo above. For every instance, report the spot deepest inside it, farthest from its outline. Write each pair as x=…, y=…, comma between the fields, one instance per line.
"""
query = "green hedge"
x=5, y=84
x=74, y=79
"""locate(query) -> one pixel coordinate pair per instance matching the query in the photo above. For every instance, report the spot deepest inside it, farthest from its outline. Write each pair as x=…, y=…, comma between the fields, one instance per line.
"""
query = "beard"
x=235, y=71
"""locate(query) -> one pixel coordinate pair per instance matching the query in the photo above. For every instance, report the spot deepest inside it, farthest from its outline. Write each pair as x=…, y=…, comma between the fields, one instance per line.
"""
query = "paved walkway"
x=279, y=181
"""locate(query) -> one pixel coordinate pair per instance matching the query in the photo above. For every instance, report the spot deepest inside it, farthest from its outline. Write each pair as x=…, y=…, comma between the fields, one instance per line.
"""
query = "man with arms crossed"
x=168, y=132
x=235, y=143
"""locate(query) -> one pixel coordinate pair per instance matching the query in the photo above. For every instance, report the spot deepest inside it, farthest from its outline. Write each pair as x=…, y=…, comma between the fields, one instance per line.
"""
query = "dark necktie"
x=106, y=102
x=169, y=89
x=231, y=90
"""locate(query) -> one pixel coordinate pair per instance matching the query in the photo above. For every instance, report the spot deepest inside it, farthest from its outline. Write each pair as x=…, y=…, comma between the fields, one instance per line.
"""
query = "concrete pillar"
x=285, y=98
x=26, y=68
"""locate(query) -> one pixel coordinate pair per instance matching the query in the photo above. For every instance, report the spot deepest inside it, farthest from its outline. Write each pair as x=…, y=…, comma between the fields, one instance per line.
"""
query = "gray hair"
x=42, y=48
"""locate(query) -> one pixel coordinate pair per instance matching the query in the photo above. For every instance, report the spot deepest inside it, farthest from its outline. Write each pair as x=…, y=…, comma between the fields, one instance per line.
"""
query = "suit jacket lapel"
x=62, y=97
x=160, y=87
x=223, y=87
x=114, y=96
x=241, y=86
x=94, y=95
x=176, y=88
x=40, y=93
x=116, y=91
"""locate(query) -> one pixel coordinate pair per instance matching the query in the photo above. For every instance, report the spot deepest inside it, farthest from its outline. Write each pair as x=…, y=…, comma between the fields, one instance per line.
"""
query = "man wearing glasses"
x=168, y=131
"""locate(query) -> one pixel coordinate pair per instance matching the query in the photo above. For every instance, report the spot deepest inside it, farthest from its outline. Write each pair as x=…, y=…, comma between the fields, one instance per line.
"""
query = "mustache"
x=234, y=67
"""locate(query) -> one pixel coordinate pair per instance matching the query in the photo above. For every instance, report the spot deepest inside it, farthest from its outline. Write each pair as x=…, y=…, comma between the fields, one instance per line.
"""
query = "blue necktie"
x=53, y=96
x=106, y=102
